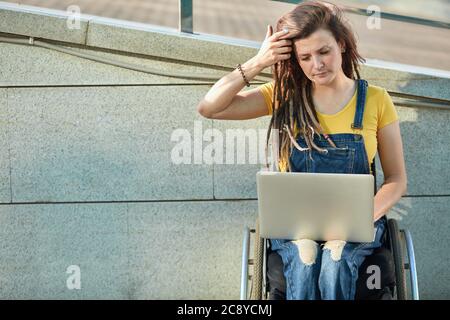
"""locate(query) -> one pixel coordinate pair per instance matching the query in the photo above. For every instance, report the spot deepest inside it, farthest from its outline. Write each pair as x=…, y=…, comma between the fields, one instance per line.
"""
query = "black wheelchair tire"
x=396, y=248
x=256, y=284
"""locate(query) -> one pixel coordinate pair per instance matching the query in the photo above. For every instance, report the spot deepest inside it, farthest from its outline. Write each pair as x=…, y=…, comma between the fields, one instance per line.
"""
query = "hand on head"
x=276, y=47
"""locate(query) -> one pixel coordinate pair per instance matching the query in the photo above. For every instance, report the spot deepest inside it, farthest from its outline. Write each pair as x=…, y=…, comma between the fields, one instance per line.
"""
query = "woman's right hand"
x=276, y=47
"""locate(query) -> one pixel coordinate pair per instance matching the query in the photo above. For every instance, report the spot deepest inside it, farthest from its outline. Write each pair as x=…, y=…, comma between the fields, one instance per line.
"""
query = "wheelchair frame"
x=399, y=240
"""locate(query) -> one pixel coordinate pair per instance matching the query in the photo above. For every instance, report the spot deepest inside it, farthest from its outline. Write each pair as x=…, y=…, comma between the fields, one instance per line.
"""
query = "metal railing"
x=244, y=266
x=186, y=20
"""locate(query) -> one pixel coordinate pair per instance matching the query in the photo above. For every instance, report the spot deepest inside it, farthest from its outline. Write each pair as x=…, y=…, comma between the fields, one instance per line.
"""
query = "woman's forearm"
x=223, y=91
x=389, y=194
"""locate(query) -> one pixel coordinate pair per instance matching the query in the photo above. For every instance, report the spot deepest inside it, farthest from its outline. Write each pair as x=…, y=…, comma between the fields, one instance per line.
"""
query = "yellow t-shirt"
x=379, y=111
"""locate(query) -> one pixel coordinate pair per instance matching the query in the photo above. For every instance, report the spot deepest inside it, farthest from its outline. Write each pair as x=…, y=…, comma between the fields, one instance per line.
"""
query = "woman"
x=328, y=120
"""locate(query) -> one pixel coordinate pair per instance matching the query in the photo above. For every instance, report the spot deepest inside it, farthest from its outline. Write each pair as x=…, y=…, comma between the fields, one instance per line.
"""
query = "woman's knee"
x=307, y=250
x=336, y=247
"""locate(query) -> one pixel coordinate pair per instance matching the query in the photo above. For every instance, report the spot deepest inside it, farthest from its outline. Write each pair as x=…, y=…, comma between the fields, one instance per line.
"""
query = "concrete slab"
x=22, y=66
x=103, y=144
x=5, y=187
x=427, y=219
x=188, y=250
x=42, y=23
x=40, y=243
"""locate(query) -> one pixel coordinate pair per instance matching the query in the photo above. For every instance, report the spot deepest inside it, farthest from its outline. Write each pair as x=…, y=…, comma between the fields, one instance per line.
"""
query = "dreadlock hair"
x=292, y=103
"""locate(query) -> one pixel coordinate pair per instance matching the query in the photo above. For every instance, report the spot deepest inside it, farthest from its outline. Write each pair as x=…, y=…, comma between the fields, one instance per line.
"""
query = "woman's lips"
x=321, y=74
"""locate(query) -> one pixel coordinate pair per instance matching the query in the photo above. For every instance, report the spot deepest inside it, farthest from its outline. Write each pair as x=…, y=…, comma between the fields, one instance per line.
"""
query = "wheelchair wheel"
x=256, y=287
x=396, y=247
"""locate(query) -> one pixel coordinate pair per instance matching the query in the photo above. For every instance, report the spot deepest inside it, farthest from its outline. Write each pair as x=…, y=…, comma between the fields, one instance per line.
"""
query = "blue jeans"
x=326, y=277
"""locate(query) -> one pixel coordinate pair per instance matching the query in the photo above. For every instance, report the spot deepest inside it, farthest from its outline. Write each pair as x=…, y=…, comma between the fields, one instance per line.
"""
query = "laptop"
x=316, y=206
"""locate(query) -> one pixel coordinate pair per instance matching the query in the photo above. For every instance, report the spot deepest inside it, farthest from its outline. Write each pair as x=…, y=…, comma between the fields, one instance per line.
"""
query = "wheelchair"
x=394, y=257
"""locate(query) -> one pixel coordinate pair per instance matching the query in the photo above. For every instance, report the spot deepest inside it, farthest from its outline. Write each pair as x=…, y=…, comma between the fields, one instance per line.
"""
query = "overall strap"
x=360, y=102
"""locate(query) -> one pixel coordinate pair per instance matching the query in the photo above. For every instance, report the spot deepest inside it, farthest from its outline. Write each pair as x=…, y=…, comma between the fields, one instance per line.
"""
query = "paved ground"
x=398, y=42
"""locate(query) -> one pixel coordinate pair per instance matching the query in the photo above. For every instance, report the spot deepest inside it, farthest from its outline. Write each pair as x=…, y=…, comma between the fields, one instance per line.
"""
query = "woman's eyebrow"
x=307, y=54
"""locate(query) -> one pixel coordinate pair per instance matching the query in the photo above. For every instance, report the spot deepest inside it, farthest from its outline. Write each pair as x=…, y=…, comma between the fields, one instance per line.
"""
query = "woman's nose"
x=318, y=65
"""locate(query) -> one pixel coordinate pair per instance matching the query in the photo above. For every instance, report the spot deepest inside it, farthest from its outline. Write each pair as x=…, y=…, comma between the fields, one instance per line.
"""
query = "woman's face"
x=320, y=56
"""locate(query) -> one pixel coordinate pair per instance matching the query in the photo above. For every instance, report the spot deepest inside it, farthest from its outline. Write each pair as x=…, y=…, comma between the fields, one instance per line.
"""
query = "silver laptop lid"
x=317, y=206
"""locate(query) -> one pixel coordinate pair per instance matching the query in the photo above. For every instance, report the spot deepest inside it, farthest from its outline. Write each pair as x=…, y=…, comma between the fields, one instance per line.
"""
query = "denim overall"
x=326, y=278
